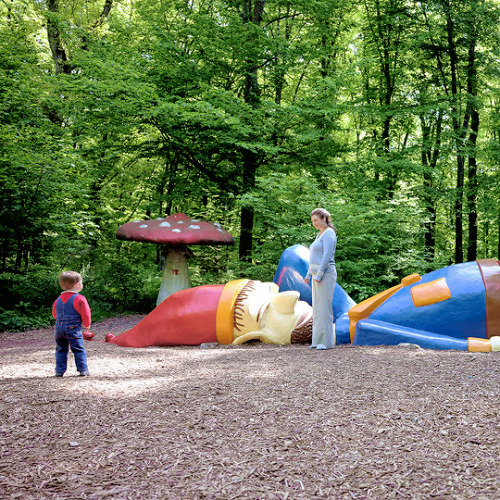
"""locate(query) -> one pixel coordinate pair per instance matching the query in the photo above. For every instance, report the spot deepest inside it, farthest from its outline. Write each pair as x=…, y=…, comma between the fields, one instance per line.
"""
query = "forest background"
x=249, y=113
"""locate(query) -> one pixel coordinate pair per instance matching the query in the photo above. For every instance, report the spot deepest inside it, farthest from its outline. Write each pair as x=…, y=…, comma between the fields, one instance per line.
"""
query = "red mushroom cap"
x=176, y=229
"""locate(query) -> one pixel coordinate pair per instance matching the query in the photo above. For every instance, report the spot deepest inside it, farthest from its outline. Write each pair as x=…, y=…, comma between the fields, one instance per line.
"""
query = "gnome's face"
x=269, y=316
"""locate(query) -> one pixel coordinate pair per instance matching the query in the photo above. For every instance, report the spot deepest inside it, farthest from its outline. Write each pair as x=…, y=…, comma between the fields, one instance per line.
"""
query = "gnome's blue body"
x=455, y=307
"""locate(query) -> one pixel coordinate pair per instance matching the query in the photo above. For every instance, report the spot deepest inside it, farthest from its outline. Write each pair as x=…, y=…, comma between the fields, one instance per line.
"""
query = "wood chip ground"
x=250, y=422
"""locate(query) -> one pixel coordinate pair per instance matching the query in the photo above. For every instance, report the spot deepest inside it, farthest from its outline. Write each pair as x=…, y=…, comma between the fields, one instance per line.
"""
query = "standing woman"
x=323, y=273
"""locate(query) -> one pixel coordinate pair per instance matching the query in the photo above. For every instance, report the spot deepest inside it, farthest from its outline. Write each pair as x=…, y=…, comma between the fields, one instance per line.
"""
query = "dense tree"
x=250, y=113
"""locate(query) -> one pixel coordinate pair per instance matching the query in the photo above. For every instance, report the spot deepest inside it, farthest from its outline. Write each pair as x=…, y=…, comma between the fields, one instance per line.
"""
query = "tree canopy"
x=249, y=113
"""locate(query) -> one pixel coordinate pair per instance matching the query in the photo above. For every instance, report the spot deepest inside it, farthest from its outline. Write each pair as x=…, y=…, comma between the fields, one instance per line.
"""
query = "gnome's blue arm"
x=373, y=332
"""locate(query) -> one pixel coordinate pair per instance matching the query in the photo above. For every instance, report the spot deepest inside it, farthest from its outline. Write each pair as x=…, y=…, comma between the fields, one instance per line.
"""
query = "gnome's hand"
x=278, y=337
x=247, y=337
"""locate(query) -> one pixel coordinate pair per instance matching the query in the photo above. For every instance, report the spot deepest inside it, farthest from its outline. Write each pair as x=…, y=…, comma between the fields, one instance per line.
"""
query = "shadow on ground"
x=253, y=421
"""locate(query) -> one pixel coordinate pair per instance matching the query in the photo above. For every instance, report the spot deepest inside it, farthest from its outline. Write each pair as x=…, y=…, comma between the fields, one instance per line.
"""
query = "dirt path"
x=252, y=422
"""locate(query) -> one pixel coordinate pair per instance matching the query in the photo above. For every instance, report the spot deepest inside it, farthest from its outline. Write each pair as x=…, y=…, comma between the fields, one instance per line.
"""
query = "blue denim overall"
x=69, y=334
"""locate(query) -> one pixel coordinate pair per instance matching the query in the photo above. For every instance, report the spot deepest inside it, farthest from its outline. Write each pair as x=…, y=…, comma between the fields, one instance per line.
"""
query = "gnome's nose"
x=285, y=302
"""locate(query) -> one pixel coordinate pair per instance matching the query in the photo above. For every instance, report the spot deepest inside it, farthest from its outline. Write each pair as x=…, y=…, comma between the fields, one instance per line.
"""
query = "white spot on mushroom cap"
x=193, y=226
x=176, y=231
x=180, y=222
x=165, y=224
x=143, y=226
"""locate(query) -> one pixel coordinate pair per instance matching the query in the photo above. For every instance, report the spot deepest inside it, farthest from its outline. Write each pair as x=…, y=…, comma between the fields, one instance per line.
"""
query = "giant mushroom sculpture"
x=175, y=232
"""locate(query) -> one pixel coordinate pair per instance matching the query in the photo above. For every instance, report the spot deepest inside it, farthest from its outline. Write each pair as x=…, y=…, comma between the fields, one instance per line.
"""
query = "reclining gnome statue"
x=455, y=307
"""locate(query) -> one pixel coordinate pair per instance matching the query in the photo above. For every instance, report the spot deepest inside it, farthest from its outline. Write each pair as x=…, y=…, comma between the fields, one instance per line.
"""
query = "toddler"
x=71, y=310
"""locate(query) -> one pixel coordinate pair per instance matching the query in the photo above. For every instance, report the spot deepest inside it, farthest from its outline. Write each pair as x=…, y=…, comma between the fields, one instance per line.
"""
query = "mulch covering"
x=253, y=421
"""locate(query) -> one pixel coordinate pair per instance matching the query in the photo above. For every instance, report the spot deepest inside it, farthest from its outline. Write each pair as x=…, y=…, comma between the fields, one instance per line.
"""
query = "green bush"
x=27, y=300
x=34, y=288
x=115, y=287
x=22, y=318
x=119, y=286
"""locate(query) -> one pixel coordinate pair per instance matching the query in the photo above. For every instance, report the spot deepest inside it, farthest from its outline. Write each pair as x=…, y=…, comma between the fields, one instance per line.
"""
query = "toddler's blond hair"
x=68, y=279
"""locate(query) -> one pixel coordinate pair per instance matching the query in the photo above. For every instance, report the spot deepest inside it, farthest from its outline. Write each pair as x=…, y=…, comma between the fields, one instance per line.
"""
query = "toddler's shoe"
x=59, y=374
x=321, y=347
x=84, y=374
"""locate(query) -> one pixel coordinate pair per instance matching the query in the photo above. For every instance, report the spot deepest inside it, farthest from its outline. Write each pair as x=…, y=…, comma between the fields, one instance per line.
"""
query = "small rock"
x=409, y=345
x=209, y=345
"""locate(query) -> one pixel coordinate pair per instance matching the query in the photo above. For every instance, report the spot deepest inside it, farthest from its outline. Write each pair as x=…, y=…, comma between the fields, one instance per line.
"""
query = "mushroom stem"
x=175, y=273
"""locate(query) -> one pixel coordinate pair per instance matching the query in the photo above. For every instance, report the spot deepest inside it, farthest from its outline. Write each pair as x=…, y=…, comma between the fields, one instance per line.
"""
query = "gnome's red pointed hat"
x=189, y=317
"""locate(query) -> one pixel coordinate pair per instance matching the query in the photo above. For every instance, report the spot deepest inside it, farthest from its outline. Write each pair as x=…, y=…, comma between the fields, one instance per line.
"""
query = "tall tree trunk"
x=386, y=35
x=460, y=132
x=247, y=212
x=59, y=54
x=459, y=205
x=167, y=180
x=252, y=13
x=472, y=190
x=474, y=131
x=430, y=157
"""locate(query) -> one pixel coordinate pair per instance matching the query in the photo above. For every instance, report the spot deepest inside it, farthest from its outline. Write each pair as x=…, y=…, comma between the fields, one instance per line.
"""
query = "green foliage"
x=23, y=317
x=118, y=286
x=376, y=246
x=111, y=288
x=207, y=109
x=24, y=300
